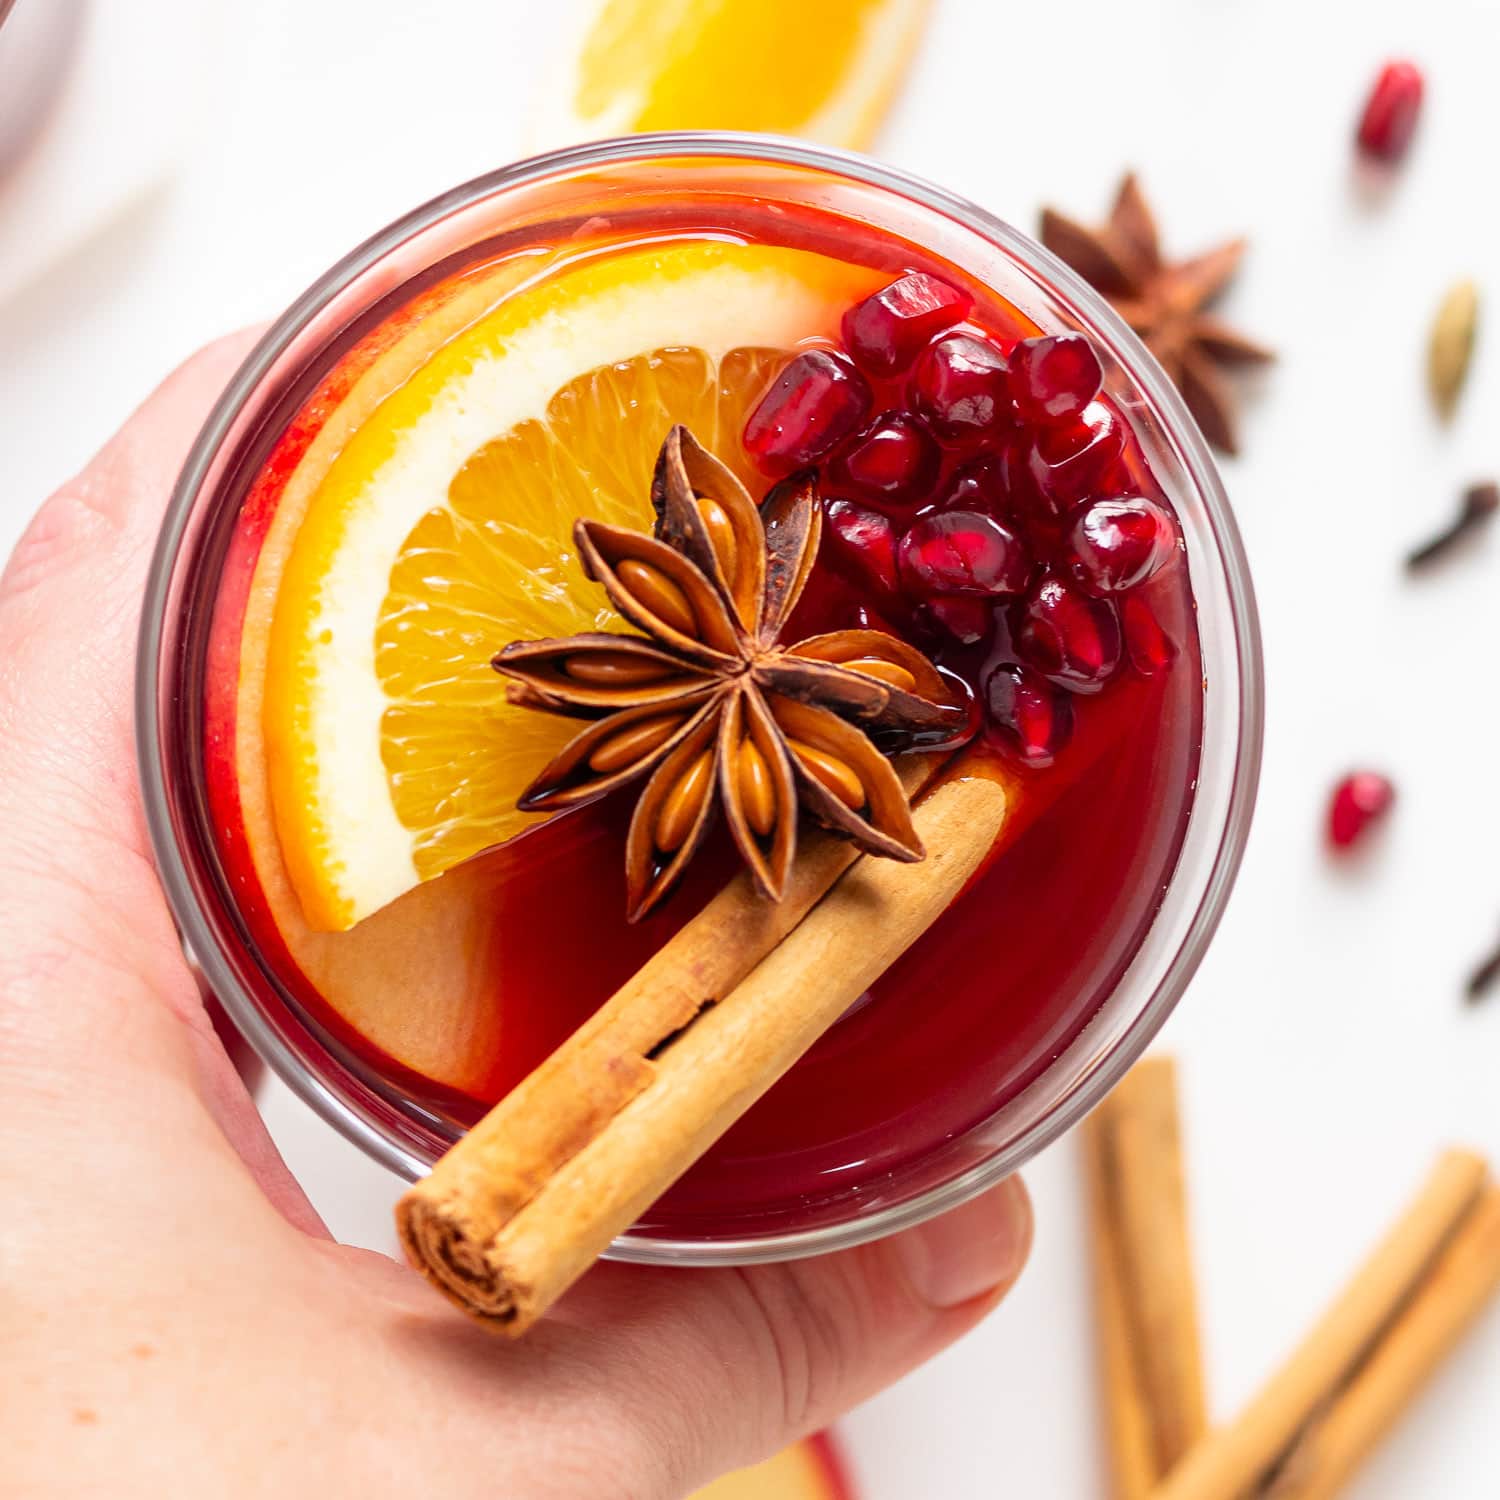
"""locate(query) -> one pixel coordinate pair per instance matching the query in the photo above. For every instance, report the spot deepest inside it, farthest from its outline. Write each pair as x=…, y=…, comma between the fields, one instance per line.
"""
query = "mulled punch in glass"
x=1008, y=490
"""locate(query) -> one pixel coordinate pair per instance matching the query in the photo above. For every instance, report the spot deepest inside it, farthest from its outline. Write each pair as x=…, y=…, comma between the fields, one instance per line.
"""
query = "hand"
x=175, y=1318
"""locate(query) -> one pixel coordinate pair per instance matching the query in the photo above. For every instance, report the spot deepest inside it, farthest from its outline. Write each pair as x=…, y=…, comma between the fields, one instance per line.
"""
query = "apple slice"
x=809, y=1470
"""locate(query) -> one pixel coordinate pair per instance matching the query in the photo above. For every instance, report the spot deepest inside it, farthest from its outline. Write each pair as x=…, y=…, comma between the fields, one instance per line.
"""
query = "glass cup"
x=558, y=194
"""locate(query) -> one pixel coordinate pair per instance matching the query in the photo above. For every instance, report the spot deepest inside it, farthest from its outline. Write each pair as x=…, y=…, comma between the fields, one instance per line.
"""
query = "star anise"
x=1164, y=302
x=707, y=706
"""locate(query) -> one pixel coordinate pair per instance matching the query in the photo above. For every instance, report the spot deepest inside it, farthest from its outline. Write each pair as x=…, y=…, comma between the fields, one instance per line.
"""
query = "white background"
x=1326, y=1054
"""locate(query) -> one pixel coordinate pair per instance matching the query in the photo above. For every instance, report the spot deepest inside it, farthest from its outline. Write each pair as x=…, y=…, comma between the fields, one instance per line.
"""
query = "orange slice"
x=825, y=71
x=442, y=530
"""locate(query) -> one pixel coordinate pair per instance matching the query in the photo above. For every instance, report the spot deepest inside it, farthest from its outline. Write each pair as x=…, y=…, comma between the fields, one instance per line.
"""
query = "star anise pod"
x=707, y=706
x=1164, y=302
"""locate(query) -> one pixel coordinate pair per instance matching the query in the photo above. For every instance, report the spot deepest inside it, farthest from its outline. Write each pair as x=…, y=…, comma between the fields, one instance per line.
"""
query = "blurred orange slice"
x=824, y=70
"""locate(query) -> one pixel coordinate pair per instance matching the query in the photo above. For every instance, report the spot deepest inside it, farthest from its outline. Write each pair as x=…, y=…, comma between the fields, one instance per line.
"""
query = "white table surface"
x=1326, y=1054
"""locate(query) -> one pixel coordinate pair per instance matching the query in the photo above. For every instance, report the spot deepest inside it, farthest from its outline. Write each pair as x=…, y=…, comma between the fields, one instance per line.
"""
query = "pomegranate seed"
x=1149, y=647
x=1075, y=461
x=962, y=552
x=1358, y=800
x=886, y=332
x=864, y=542
x=811, y=407
x=1017, y=468
x=1390, y=114
x=1027, y=715
x=978, y=485
x=867, y=617
x=1114, y=545
x=960, y=385
x=892, y=462
x=1069, y=637
x=969, y=621
x=1052, y=379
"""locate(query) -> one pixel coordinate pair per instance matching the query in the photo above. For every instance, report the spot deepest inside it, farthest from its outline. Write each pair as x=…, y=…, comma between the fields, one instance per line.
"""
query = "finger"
x=70, y=600
x=665, y=1378
x=87, y=947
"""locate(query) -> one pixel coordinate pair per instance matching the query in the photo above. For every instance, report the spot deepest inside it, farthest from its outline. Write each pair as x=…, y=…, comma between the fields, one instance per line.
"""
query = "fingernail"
x=972, y=1251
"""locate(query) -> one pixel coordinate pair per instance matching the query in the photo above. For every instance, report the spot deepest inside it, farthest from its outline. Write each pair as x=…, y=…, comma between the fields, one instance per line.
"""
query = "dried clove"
x=1483, y=979
x=1480, y=502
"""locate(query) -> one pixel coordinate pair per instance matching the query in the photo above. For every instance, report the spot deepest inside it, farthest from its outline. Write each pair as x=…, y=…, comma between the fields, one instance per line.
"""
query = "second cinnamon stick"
x=1146, y=1303
x=1463, y=1281
x=1241, y=1458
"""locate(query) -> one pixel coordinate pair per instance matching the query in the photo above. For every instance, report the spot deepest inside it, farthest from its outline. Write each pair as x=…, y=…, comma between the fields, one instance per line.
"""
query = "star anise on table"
x=707, y=707
x=1165, y=302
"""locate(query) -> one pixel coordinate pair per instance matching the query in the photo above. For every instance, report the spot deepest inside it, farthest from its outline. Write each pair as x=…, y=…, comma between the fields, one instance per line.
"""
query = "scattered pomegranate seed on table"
x=1390, y=115
x=1360, y=799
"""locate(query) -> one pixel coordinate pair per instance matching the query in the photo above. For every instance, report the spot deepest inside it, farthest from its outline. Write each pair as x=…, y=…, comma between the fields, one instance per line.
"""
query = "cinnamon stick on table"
x=1460, y=1285
x=1145, y=1296
x=533, y=1195
x=1328, y=1405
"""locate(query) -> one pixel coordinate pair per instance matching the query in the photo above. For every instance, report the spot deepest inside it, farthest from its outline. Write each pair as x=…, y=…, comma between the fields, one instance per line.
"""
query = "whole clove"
x=1480, y=502
x=1483, y=979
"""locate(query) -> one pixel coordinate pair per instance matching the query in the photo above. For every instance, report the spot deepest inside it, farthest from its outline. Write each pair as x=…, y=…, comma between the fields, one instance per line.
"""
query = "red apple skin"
x=825, y=1448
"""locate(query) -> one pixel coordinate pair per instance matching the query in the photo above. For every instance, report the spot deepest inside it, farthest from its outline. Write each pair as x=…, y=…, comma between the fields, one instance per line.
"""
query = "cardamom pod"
x=1452, y=345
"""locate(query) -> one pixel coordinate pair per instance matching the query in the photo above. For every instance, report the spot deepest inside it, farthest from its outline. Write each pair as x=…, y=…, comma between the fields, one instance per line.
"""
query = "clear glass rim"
x=878, y=1222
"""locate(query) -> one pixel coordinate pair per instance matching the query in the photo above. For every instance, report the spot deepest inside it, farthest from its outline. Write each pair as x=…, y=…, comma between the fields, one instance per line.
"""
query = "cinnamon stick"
x=1459, y=1287
x=1133, y=1469
x=569, y=1097
x=534, y=1194
x=1144, y=1283
x=1249, y=1456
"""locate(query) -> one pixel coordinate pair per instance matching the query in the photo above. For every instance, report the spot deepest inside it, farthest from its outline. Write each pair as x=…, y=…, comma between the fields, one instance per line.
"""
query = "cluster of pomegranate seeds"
x=1358, y=800
x=1390, y=114
x=981, y=498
